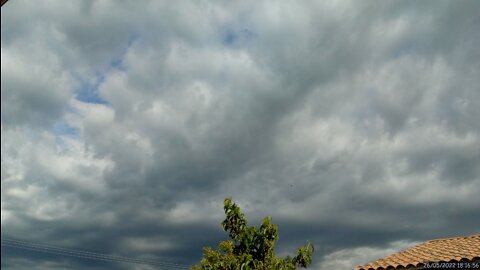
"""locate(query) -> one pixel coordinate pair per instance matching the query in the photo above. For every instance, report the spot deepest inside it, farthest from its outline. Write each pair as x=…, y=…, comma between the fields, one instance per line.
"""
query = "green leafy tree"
x=250, y=248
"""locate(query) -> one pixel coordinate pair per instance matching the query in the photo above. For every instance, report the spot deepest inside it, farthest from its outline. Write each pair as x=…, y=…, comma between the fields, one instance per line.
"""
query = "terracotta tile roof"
x=464, y=249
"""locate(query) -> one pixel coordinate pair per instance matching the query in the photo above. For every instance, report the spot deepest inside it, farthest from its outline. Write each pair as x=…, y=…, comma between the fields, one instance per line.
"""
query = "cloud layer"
x=125, y=125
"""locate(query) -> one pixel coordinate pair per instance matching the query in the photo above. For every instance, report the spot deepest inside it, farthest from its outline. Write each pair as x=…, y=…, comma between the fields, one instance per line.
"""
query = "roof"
x=458, y=249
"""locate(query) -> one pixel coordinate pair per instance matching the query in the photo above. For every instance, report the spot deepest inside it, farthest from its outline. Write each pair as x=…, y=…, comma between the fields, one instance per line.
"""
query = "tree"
x=250, y=248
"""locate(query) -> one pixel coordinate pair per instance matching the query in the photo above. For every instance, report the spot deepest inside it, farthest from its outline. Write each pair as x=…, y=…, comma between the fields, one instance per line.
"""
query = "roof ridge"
x=453, y=249
x=452, y=238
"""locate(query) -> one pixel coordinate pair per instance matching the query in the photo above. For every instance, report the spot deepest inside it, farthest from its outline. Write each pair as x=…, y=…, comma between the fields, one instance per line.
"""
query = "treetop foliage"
x=250, y=248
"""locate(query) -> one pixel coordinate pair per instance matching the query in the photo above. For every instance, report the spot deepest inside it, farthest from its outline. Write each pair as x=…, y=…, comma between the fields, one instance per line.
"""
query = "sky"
x=125, y=124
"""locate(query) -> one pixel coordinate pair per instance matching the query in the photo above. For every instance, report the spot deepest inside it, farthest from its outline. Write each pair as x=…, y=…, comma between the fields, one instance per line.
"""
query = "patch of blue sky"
x=88, y=89
x=233, y=37
x=229, y=37
x=62, y=130
x=117, y=63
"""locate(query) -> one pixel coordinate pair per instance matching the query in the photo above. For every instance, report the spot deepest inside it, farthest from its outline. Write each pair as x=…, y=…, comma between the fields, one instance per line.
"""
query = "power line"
x=86, y=254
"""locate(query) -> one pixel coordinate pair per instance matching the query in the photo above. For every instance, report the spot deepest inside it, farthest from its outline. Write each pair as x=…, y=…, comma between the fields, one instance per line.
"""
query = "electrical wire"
x=63, y=251
x=60, y=249
x=102, y=257
x=86, y=254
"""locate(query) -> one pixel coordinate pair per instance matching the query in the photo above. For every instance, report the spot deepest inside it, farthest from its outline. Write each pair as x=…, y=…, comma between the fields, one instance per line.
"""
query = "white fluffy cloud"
x=348, y=259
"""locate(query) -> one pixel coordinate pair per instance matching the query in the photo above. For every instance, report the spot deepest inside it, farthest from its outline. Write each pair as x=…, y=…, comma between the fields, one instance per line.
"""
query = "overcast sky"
x=124, y=125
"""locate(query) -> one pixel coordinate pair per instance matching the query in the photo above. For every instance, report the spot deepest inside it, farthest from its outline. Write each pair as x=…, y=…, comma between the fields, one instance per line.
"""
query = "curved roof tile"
x=457, y=249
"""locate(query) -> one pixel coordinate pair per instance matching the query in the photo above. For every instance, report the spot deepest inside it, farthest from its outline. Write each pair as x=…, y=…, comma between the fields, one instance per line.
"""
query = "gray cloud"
x=352, y=124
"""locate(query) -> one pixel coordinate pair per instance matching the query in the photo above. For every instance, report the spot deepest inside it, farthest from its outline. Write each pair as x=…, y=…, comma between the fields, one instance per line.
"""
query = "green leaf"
x=250, y=247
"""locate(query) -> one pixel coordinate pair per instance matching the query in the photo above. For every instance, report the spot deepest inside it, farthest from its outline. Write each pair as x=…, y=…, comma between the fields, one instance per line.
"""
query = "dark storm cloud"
x=32, y=93
x=353, y=124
